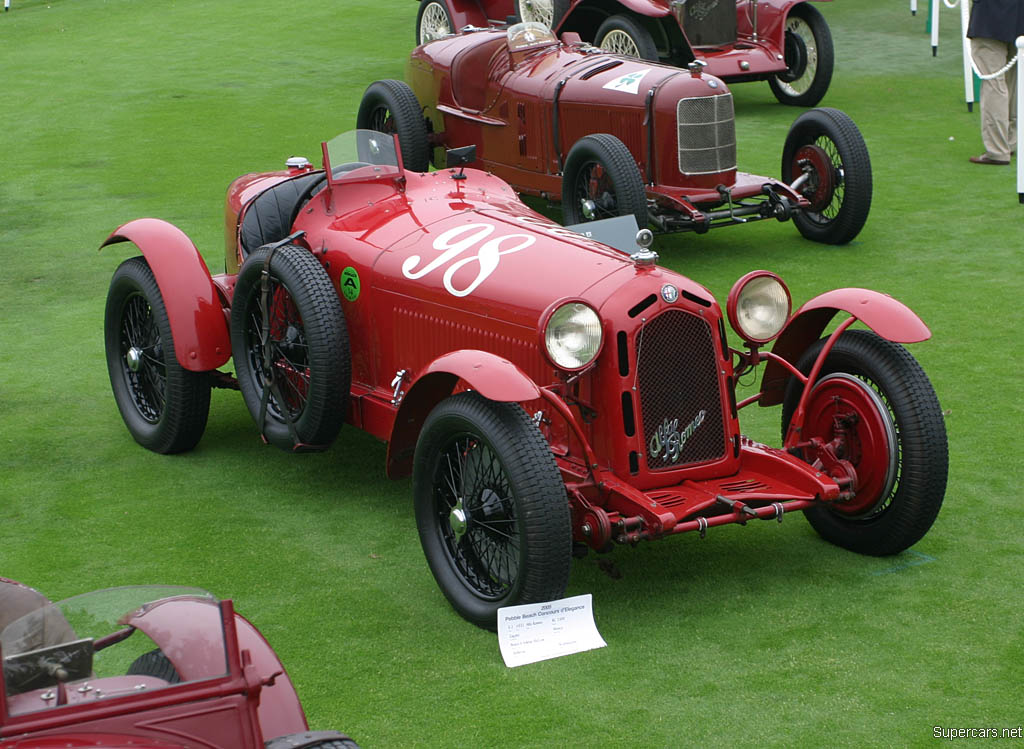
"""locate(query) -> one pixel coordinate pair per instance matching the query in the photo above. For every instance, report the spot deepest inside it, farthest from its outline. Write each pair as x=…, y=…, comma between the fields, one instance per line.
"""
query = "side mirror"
x=460, y=156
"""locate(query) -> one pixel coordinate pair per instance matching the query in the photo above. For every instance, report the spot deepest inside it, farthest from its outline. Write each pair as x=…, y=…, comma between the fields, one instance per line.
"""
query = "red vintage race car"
x=786, y=42
x=609, y=135
x=146, y=666
x=546, y=391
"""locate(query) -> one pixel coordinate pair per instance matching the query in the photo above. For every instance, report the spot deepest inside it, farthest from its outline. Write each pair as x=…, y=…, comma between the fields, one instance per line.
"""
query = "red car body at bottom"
x=150, y=666
x=545, y=390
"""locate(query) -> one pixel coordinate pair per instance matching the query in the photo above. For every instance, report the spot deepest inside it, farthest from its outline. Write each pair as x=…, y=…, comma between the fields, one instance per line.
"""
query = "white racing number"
x=454, y=242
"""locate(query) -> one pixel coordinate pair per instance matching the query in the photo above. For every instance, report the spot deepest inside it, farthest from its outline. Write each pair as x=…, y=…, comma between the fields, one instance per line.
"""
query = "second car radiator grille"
x=707, y=134
x=677, y=376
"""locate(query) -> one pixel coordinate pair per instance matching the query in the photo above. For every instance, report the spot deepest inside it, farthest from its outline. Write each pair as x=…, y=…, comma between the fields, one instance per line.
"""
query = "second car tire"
x=390, y=106
x=601, y=169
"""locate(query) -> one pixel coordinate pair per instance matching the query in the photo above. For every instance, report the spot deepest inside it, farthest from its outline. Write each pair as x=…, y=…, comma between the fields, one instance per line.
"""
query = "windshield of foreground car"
x=84, y=648
x=360, y=155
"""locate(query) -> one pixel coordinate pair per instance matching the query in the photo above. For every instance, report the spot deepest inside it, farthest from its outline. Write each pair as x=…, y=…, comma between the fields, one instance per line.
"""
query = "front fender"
x=888, y=317
x=492, y=376
x=198, y=326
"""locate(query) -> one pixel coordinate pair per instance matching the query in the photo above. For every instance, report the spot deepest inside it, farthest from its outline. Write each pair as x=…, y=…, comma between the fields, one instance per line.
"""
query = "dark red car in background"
x=784, y=42
x=609, y=135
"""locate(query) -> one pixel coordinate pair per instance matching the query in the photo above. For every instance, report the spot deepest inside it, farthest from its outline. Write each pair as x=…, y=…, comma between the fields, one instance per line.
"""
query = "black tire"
x=433, y=21
x=810, y=56
x=390, y=106
x=308, y=348
x=840, y=183
x=600, y=169
x=624, y=35
x=311, y=739
x=498, y=457
x=547, y=12
x=164, y=405
x=155, y=663
x=901, y=506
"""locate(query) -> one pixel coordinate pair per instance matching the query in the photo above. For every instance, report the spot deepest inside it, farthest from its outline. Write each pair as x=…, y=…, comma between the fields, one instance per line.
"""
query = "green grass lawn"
x=764, y=635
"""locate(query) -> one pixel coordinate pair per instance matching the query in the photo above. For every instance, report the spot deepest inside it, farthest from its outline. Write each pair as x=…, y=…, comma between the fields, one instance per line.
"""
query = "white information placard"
x=539, y=631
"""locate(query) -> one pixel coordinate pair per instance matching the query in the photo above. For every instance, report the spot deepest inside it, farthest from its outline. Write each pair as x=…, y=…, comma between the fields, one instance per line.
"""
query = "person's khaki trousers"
x=998, y=97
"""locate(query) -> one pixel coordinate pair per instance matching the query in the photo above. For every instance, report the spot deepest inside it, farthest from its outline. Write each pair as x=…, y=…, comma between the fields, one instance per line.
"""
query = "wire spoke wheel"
x=164, y=405
x=595, y=192
x=281, y=353
x=491, y=507
x=477, y=516
x=434, y=22
x=802, y=54
x=290, y=345
x=538, y=11
x=625, y=34
x=826, y=187
x=810, y=58
x=390, y=106
x=825, y=150
x=620, y=43
x=876, y=405
x=602, y=180
x=142, y=358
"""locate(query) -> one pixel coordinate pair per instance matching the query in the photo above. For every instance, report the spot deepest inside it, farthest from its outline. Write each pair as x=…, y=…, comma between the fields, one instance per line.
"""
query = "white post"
x=965, y=19
x=935, y=26
x=1020, y=118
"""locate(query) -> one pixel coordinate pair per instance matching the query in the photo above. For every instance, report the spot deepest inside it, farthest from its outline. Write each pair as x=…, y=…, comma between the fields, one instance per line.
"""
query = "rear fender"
x=490, y=375
x=198, y=326
x=189, y=631
x=886, y=316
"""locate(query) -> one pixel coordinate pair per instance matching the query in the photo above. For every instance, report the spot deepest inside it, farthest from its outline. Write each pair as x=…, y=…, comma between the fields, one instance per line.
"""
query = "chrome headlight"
x=572, y=336
x=759, y=306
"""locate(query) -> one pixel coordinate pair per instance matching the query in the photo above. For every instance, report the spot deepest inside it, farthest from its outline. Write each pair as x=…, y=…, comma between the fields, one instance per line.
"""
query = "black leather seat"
x=270, y=216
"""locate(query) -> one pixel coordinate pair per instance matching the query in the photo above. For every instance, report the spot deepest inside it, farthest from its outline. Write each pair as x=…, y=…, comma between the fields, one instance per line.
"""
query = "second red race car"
x=609, y=135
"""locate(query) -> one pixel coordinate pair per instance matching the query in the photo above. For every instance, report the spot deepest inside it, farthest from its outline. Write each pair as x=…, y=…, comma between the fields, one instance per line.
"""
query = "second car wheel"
x=810, y=58
x=390, y=106
x=624, y=35
x=601, y=180
x=826, y=147
x=164, y=405
x=491, y=508
x=547, y=12
x=433, y=21
x=290, y=347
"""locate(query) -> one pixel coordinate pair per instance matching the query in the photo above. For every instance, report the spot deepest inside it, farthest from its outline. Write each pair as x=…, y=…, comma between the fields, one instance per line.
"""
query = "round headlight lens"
x=573, y=335
x=762, y=309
